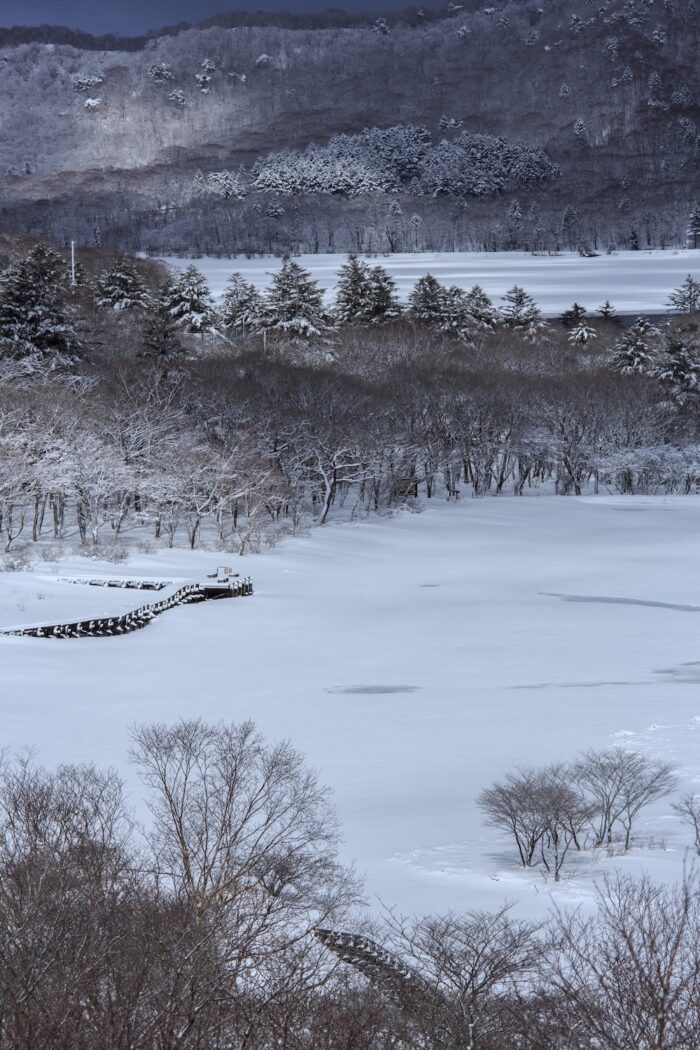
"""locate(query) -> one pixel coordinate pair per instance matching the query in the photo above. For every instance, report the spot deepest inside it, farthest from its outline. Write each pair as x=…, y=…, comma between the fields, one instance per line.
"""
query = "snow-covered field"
x=413, y=660
x=634, y=282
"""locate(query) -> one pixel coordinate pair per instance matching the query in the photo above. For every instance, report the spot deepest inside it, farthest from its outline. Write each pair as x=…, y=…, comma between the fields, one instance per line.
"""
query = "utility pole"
x=72, y=264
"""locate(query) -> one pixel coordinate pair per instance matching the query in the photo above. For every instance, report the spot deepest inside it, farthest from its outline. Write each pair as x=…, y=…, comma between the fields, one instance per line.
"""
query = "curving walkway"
x=133, y=621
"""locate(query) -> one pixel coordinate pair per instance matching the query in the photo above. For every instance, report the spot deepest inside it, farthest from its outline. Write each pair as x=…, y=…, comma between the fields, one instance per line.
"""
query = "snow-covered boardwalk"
x=134, y=620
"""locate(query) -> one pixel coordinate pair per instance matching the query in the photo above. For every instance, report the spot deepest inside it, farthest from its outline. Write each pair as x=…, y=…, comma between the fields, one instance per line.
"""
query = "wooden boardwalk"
x=132, y=621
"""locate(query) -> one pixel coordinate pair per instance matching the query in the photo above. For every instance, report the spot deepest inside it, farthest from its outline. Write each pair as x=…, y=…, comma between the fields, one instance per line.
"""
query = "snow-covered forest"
x=134, y=401
x=388, y=327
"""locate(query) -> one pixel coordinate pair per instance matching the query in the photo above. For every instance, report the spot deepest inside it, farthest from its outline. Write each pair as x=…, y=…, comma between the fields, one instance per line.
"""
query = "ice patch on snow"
x=603, y=599
x=373, y=690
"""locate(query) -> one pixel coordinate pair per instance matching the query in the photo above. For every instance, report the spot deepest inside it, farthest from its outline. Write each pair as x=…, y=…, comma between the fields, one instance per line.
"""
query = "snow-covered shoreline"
x=634, y=282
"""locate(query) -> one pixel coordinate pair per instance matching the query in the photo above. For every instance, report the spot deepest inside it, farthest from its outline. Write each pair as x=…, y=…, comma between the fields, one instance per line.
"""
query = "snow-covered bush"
x=226, y=184
x=86, y=81
x=160, y=73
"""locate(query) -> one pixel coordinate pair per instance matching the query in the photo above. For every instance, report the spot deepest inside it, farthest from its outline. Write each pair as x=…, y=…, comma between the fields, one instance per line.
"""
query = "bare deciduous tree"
x=464, y=965
x=629, y=977
x=688, y=809
x=619, y=785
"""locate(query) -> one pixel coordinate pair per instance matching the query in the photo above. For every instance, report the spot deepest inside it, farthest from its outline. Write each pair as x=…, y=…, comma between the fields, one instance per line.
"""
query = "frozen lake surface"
x=413, y=660
x=634, y=282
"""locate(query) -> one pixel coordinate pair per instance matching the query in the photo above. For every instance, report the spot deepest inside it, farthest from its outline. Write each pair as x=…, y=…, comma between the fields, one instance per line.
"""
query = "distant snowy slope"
x=634, y=282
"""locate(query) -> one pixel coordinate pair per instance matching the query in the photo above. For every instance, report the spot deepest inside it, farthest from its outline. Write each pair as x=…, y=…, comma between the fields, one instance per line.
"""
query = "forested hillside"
x=510, y=126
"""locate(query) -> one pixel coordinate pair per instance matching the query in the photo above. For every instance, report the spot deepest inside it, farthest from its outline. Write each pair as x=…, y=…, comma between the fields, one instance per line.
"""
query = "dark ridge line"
x=331, y=18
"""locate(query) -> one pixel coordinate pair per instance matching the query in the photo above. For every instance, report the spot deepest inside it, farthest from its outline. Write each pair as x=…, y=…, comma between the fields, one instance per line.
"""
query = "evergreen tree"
x=241, y=305
x=636, y=351
x=482, y=312
x=121, y=288
x=521, y=312
x=426, y=301
x=456, y=319
x=678, y=364
x=693, y=231
x=294, y=304
x=514, y=224
x=573, y=315
x=382, y=303
x=352, y=291
x=161, y=339
x=570, y=227
x=581, y=334
x=48, y=266
x=686, y=299
x=607, y=311
x=34, y=323
x=190, y=303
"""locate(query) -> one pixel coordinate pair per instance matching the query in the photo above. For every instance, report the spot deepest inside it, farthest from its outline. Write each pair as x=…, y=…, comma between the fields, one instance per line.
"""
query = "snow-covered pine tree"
x=686, y=299
x=521, y=312
x=480, y=308
x=190, y=303
x=294, y=304
x=678, y=363
x=570, y=227
x=637, y=350
x=455, y=317
x=581, y=334
x=352, y=292
x=514, y=224
x=382, y=303
x=426, y=301
x=241, y=306
x=34, y=323
x=607, y=311
x=121, y=287
x=693, y=231
x=161, y=336
x=573, y=315
x=48, y=265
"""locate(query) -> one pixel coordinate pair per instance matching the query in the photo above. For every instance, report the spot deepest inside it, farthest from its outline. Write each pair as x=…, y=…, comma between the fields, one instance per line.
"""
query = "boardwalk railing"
x=133, y=621
x=129, y=585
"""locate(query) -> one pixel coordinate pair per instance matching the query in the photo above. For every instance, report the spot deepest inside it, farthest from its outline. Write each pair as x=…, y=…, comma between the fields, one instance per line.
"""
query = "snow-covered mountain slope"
x=108, y=145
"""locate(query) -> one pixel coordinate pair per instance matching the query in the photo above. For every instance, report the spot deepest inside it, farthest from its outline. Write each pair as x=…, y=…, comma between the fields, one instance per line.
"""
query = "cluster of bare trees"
x=221, y=924
x=235, y=445
x=194, y=934
x=592, y=802
x=624, y=977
